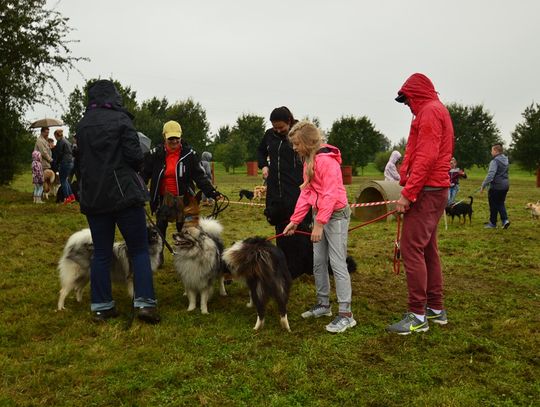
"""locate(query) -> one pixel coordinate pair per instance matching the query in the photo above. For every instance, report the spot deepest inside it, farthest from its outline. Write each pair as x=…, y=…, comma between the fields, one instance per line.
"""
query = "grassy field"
x=488, y=354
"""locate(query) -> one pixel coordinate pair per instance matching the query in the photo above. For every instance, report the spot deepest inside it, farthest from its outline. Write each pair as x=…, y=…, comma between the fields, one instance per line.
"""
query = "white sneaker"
x=317, y=311
x=340, y=324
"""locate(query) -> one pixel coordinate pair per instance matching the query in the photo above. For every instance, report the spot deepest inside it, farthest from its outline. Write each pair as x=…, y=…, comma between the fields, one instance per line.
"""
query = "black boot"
x=102, y=316
x=148, y=315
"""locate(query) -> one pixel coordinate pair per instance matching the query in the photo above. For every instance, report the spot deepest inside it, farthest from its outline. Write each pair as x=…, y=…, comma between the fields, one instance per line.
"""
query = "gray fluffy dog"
x=74, y=265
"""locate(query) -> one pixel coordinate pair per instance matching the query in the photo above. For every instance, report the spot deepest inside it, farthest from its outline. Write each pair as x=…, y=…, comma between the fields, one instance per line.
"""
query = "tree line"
x=30, y=34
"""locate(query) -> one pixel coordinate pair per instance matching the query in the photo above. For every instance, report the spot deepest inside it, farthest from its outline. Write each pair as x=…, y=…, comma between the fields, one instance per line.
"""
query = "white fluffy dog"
x=197, y=260
x=74, y=265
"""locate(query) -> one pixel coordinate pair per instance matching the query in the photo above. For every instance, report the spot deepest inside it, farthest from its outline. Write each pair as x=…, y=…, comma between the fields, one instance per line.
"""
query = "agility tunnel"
x=376, y=191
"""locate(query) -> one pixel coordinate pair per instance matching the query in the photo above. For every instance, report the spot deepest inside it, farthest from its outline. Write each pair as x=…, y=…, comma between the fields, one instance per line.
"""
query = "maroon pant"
x=420, y=253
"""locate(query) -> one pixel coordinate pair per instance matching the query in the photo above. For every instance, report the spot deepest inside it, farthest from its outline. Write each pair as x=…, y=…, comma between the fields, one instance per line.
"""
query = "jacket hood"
x=330, y=151
x=36, y=156
x=502, y=159
x=394, y=157
x=419, y=90
x=104, y=94
x=206, y=156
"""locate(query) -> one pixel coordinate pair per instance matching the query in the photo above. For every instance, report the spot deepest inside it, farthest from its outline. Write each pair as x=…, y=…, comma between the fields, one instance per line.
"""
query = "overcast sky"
x=320, y=58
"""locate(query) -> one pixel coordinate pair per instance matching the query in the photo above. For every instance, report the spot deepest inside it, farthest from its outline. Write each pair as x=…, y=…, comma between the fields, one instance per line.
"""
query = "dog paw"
x=191, y=308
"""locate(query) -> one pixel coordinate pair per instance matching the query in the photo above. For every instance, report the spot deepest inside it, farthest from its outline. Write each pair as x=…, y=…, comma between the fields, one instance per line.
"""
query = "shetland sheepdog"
x=74, y=265
x=197, y=260
x=264, y=269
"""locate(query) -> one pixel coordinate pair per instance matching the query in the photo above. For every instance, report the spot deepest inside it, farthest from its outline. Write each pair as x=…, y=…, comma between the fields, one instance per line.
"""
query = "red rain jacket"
x=431, y=139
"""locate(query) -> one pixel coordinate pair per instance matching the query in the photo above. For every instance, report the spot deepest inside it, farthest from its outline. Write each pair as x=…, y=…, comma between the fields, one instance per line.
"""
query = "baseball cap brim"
x=401, y=98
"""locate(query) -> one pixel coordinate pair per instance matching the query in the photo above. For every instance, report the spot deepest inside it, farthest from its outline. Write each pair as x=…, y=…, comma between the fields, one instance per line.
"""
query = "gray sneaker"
x=441, y=318
x=340, y=324
x=408, y=325
x=506, y=224
x=318, y=310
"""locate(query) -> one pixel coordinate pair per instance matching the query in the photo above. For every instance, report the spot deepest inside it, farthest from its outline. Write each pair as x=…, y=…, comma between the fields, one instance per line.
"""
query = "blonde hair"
x=309, y=137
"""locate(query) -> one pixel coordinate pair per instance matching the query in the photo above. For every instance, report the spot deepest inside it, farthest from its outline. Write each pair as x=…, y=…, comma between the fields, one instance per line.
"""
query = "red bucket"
x=346, y=173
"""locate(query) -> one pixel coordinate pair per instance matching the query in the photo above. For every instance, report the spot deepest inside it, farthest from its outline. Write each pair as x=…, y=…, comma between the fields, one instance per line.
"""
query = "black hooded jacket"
x=285, y=174
x=109, y=154
x=189, y=171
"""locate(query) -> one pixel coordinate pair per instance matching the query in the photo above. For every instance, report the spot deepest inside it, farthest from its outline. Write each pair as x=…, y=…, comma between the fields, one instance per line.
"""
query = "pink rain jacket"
x=325, y=193
x=431, y=139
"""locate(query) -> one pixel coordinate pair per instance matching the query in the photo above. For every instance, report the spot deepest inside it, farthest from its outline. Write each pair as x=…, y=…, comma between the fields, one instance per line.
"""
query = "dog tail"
x=211, y=227
x=471, y=200
x=250, y=259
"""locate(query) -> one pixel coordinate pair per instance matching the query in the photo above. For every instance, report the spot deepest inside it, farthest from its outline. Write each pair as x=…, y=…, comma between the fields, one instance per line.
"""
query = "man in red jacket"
x=425, y=181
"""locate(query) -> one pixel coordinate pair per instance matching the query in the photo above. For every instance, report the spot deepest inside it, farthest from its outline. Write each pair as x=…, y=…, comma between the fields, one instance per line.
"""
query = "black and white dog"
x=264, y=268
x=74, y=265
x=197, y=260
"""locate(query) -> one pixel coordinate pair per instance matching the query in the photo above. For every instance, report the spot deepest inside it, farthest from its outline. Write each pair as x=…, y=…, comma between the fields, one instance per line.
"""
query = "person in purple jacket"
x=324, y=193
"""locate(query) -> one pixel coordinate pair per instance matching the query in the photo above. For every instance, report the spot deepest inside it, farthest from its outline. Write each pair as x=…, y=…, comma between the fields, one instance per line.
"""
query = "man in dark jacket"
x=497, y=180
x=112, y=193
x=425, y=181
x=63, y=159
x=283, y=171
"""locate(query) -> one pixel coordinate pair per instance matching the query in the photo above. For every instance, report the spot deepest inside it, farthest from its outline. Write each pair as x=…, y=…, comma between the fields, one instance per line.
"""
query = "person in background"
x=282, y=170
x=52, y=146
x=174, y=167
x=497, y=180
x=42, y=145
x=64, y=163
x=112, y=194
x=324, y=193
x=37, y=176
x=391, y=172
x=206, y=158
x=425, y=181
x=455, y=174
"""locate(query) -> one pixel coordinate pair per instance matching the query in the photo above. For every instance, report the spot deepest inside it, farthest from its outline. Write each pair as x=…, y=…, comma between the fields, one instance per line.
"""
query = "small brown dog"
x=535, y=209
x=259, y=192
x=51, y=182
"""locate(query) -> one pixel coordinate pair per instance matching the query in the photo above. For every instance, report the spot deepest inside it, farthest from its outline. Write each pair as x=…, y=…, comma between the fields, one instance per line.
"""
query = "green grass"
x=486, y=355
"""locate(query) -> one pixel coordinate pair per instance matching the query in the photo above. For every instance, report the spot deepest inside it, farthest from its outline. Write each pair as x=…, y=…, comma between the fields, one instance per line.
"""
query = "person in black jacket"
x=174, y=167
x=63, y=159
x=283, y=170
x=112, y=193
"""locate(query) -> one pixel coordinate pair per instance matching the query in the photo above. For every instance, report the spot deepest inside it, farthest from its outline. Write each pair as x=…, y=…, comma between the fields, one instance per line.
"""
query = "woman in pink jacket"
x=323, y=191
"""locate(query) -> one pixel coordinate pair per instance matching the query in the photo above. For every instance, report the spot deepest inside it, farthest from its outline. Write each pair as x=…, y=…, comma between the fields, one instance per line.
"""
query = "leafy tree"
x=78, y=101
x=315, y=120
x=233, y=153
x=526, y=139
x=192, y=117
x=357, y=139
x=221, y=137
x=33, y=49
x=474, y=133
x=250, y=128
x=150, y=117
x=400, y=146
x=381, y=159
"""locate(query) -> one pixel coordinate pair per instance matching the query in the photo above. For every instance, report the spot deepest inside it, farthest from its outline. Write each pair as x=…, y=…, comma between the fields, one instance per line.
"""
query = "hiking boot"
x=104, y=315
x=506, y=224
x=148, y=315
x=408, y=325
x=340, y=324
x=440, y=318
x=489, y=225
x=317, y=311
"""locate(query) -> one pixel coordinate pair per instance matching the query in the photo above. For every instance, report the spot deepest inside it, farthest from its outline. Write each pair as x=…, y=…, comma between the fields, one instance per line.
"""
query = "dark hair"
x=282, y=114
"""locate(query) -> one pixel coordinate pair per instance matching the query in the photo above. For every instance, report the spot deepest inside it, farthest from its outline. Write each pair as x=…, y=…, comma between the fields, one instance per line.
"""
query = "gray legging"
x=333, y=247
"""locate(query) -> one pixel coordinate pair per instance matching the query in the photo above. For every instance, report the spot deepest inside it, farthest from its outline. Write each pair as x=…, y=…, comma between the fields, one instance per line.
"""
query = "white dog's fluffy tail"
x=211, y=227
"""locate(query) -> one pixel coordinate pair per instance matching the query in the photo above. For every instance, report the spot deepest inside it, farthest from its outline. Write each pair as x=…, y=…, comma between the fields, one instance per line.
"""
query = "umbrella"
x=145, y=142
x=46, y=122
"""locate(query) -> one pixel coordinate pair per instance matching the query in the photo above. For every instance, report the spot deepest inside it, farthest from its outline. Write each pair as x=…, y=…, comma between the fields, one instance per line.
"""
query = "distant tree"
x=400, y=146
x=233, y=153
x=221, y=137
x=358, y=140
x=474, y=132
x=78, y=102
x=250, y=128
x=33, y=48
x=381, y=159
x=315, y=120
x=192, y=118
x=150, y=117
x=526, y=139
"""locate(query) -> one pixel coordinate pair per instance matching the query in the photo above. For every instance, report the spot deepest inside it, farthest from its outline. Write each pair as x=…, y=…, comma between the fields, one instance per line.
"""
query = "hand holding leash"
x=403, y=204
x=289, y=229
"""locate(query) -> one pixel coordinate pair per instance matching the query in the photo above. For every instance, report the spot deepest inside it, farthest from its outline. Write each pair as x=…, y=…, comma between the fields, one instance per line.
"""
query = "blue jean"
x=452, y=192
x=496, y=198
x=132, y=225
x=64, y=170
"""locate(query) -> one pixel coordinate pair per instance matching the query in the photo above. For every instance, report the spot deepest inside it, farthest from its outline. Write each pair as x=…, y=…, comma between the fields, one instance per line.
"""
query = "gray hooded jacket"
x=497, y=176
